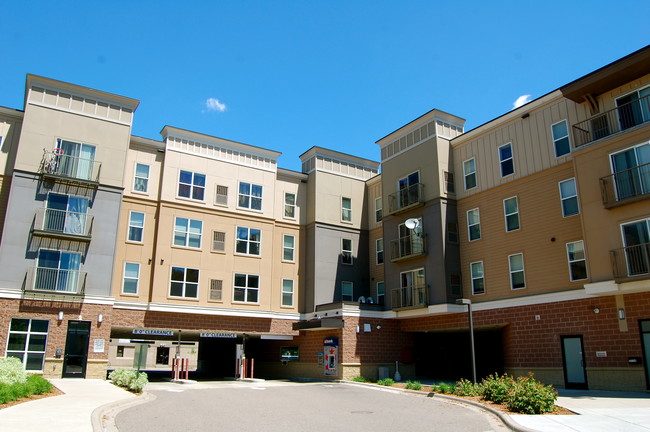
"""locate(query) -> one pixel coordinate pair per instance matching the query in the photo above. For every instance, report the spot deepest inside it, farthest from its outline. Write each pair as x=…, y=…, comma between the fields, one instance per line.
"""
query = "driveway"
x=285, y=406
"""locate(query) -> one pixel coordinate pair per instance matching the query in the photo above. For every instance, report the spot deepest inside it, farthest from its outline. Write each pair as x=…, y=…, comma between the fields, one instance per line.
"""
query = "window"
x=76, y=160
x=120, y=351
x=290, y=353
x=289, y=205
x=455, y=285
x=248, y=241
x=346, y=209
x=517, y=276
x=187, y=232
x=221, y=195
x=511, y=213
x=162, y=355
x=469, y=171
x=561, y=141
x=569, y=197
x=288, y=248
x=631, y=171
x=27, y=341
x=141, y=178
x=379, y=209
x=191, y=185
x=478, y=285
x=381, y=291
x=408, y=190
x=633, y=108
x=136, y=227
x=346, y=251
x=450, y=187
x=216, y=290
x=473, y=224
x=287, y=292
x=250, y=196
x=452, y=232
x=505, y=160
x=636, y=239
x=412, y=290
x=347, y=291
x=58, y=271
x=379, y=248
x=577, y=260
x=218, y=241
x=184, y=282
x=131, y=278
x=246, y=288
x=66, y=214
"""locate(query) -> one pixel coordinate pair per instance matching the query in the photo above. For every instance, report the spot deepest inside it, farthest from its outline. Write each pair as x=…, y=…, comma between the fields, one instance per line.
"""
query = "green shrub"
x=12, y=371
x=36, y=384
x=529, y=396
x=386, y=382
x=359, y=378
x=444, y=388
x=495, y=388
x=466, y=388
x=413, y=385
x=129, y=378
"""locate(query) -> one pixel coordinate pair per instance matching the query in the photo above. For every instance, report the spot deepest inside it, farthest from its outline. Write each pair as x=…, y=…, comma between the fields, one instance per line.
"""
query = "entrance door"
x=645, y=342
x=573, y=358
x=636, y=239
x=76, y=349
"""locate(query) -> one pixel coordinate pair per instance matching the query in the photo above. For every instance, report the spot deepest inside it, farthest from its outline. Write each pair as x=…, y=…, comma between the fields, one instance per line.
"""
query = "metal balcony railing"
x=61, y=222
x=613, y=121
x=410, y=296
x=629, y=185
x=406, y=198
x=406, y=247
x=57, y=164
x=631, y=262
x=55, y=281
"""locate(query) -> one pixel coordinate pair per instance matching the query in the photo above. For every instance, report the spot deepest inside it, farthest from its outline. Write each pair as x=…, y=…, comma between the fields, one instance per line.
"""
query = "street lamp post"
x=468, y=302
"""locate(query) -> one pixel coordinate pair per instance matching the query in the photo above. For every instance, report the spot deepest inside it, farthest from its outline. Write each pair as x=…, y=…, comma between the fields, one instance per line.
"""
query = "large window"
x=76, y=160
x=469, y=171
x=569, y=197
x=58, y=271
x=379, y=209
x=346, y=209
x=287, y=292
x=27, y=341
x=246, y=288
x=347, y=291
x=517, y=275
x=136, y=227
x=187, y=232
x=577, y=260
x=633, y=108
x=478, y=283
x=191, y=185
x=473, y=224
x=561, y=141
x=506, y=160
x=66, y=214
x=381, y=292
x=631, y=168
x=250, y=196
x=289, y=205
x=379, y=249
x=346, y=251
x=249, y=241
x=131, y=278
x=511, y=213
x=288, y=247
x=408, y=190
x=184, y=282
x=636, y=239
x=141, y=178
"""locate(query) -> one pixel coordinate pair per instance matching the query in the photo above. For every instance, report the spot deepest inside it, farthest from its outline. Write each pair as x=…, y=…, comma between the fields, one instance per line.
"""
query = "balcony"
x=626, y=186
x=406, y=198
x=407, y=247
x=409, y=297
x=63, y=224
x=55, y=281
x=616, y=120
x=58, y=166
x=631, y=262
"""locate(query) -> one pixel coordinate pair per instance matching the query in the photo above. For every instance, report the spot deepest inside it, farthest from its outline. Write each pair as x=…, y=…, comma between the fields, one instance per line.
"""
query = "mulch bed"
x=55, y=392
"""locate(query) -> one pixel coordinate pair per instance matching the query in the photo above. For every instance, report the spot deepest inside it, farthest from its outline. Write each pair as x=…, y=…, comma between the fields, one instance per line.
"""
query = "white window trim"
x=505, y=215
x=293, y=248
x=294, y=206
x=198, y=283
x=466, y=174
x=472, y=278
x=379, y=209
x=523, y=270
x=187, y=234
x=137, y=280
x=282, y=292
x=501, y=161
x=555, y=140
x=191, y=186
x=380, y=296
x=352, y=294
x=28, y=333
x=128, y=228
x=250, y=197
x=562, y=199
x=248, y=242
x=584, y=259
x=478, y=217
x=343, y=209
x=345, y=250
x=135, y=177
x=246, y=288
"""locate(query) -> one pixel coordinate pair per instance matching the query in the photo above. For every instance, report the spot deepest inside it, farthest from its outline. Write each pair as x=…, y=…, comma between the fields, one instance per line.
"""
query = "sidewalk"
x=70, y=412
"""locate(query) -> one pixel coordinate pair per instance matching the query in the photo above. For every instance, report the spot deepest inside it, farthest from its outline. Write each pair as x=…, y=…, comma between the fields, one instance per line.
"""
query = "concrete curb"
x=103, y=417
x=505, y=418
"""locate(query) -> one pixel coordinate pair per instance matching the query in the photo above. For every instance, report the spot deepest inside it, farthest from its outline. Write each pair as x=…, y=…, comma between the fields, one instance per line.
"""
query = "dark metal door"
x=76, y=349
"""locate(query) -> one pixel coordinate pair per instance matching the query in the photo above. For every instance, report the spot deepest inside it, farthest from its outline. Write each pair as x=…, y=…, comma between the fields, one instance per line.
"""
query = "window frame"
x=214, y=241
x=346, y=213
x=558, y=139
x=184, y=282
x=248, y=241
x=345, y=252
x=187, y=233
x=28, y=335
x=575, y=196
x=249, y=196
x=125, y=277
x=382, y=296
x=507, y=161
x=512, y=272
x=476, y=278
x=132, y=226
x=470, y=225
x=193, y=187
x=471, y=174
x=284, y=293
x=379, y=209
x=292, y=248
x=379, y=251
x=246, y=289
x=221, y=199
x=507, y=215
x=288, y=205
x=347, y=284
x=145, y=179
x=584, y=259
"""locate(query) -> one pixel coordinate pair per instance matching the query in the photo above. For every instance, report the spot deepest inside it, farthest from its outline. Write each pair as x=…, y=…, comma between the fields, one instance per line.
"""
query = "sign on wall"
x=331, y=349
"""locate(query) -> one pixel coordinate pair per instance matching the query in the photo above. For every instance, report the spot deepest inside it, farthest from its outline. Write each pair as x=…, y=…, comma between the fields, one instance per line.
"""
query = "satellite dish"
x=412, y=223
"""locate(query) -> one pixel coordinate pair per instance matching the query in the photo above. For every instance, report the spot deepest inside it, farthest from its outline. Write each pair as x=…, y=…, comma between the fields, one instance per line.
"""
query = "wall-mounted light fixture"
x=621, y=313
x=100, y=318
x=60, y=316
x=596, y=310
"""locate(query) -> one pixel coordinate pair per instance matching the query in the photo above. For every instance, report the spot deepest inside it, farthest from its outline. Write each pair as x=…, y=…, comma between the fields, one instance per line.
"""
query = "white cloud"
x=521, y=100
x=213, y=104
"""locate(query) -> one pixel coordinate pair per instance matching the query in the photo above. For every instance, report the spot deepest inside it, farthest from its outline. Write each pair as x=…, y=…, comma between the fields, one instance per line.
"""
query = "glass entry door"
x=636, y=239
x=575, y=376
x=76, y=349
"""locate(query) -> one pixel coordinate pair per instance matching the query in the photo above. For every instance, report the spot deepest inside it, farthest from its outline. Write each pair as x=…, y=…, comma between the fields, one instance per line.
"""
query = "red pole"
x=187, y=368
x=237, y=369
x=252, y=368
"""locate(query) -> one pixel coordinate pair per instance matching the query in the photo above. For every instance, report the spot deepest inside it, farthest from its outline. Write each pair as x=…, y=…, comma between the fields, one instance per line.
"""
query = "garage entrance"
x=446, y=355
x=217, y=357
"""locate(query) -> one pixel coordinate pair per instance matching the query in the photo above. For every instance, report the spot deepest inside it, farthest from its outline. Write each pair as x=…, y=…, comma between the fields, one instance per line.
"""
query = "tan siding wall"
x=545, y=261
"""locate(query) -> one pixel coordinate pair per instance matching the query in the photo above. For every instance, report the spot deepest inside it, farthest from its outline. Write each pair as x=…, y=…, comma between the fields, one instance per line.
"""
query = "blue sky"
x=289, y=75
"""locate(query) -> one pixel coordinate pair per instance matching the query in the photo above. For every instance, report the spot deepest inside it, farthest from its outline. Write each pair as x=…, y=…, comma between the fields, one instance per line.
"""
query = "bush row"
x=129, y=378
x=34, y=385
